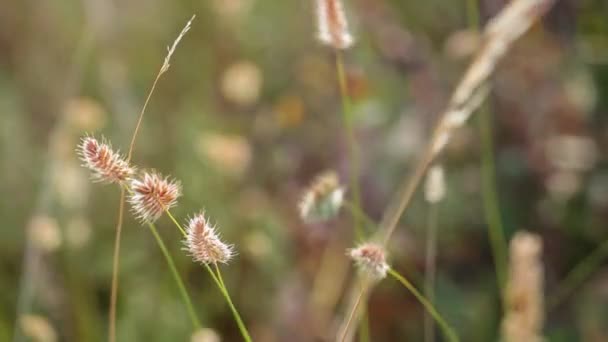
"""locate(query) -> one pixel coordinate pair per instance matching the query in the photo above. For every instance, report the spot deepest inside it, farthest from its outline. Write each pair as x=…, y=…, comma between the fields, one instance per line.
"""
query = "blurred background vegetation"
x=247, y=115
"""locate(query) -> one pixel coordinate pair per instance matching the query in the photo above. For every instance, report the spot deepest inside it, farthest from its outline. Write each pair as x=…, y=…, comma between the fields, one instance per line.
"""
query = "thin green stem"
x=577, y=275
x=219, y=281
x=431, y=267
x=491, y=203
x=347, y=116
x=176, y=276
x=179, y=226
x=449, y=333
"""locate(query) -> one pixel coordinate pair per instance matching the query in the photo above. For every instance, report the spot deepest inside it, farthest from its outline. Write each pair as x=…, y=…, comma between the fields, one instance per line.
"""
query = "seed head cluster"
x=107, y=165
x=371, y=260
x=152, y=194
x=204, y=244
x=332, y=27
x=323, y=199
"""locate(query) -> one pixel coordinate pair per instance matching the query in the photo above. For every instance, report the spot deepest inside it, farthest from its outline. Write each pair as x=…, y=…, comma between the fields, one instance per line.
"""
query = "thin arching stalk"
x=119, y=223
x=176, y=277
x=449, y=333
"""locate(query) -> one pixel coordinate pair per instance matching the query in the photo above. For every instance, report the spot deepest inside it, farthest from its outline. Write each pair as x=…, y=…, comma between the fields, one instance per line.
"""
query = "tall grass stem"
x=180, y=284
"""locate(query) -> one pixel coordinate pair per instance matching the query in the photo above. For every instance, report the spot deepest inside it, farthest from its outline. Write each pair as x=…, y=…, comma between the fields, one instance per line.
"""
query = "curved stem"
x=180, y=284
x=347, y=117
x=449, y=333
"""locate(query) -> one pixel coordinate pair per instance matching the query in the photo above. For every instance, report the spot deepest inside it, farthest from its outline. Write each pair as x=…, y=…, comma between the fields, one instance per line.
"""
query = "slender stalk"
x=115, y=267
x=179, y=226
x=235, y=312
x=352, y=314
x=449, y=333
x=431, y=267
x=577, y=275
x=180, y=284
x=491, y=204
x=119, y=223
x=347, y=117
x=115, y=262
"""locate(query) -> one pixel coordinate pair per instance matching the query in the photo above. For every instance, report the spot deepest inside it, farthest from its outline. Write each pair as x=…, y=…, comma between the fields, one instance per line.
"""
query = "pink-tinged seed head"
x=371, y=259
x=204, y=244
x=152, y=194
x=107, y=165
x=332, y=27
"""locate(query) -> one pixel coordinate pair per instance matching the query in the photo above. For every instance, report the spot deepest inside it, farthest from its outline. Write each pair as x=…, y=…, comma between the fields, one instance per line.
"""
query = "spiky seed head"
x=323, y=199
x=434, y=190
x=371, y=259
x=204, y=244
x=332, y=26
x=107, y=165
x=152, y=194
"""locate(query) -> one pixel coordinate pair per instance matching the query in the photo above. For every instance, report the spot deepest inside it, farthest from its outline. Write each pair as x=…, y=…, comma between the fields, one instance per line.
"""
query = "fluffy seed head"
x=524, y=316
x=434, y=190
x=107, y=165
x=332, y=26
x=152, y=194
x=204, y=244
x=371, y=259
x=323, y=199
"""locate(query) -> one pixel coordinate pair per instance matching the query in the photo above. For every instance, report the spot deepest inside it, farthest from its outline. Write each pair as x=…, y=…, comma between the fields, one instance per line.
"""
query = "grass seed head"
x=332, y=26
x=371, y=260
x=204, y=244
x=152, y=194
x=323, y=199
x=107, y=165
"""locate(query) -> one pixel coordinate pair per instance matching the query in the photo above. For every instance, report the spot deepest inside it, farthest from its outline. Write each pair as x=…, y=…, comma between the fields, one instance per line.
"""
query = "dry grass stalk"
x=121, y=206
x=513, y=21
x=524, y=316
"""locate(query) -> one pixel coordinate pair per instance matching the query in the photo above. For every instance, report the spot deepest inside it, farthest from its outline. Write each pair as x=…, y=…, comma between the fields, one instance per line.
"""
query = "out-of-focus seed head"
x=323, y=199
x=204, y=244
x=434, y=190
x=332, y=27
x=152, y=194
x=371, y=260
x=107, y=165
x=524, y=294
